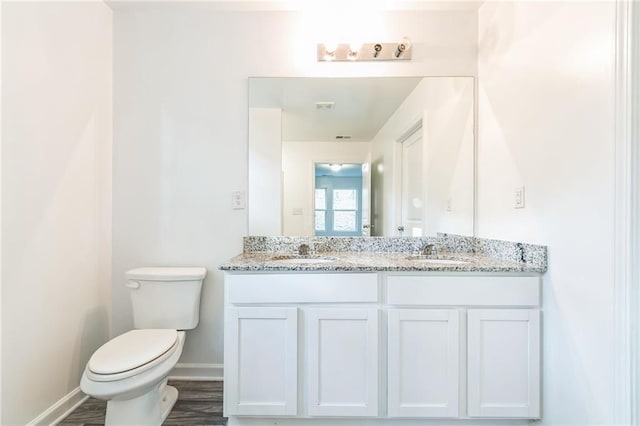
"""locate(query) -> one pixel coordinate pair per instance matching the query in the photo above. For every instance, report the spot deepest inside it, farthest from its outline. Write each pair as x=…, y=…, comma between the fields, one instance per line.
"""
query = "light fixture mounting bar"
x=367, y=52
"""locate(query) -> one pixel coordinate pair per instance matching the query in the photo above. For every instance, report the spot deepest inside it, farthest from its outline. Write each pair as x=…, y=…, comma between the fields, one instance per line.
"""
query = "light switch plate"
x=237, y=200
x=518, y=198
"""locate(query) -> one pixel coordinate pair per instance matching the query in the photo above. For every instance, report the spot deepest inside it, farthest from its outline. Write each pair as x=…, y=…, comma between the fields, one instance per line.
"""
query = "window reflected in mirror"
x=338, y=199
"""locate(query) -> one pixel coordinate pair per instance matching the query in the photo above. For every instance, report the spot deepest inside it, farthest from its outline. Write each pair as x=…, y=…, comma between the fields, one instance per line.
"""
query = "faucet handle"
x=303, y=250
x=429, y=250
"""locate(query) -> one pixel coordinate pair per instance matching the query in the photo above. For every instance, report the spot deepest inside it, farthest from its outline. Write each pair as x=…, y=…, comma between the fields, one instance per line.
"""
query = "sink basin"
x=294, y=260
x=422, y=259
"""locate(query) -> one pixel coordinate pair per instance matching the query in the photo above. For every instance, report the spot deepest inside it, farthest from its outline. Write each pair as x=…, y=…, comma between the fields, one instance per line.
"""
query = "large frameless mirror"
x=361, y=156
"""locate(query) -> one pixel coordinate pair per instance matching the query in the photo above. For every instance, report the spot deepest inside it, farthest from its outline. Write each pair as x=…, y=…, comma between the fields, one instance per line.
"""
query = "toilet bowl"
x=138, y=395
x=130, y=371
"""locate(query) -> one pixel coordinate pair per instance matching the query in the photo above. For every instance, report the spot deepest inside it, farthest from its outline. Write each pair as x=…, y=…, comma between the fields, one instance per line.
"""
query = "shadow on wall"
x=94, y=333
x=495, y=39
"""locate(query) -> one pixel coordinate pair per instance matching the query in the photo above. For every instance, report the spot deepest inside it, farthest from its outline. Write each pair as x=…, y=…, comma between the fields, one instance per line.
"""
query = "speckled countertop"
x=372, y=254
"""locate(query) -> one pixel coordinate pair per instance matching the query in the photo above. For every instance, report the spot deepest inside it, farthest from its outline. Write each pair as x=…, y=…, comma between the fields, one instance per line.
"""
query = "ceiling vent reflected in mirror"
x=325, y=106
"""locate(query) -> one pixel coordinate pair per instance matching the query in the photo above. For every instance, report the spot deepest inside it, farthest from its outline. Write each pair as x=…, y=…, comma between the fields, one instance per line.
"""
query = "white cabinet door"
x=343, y=362
x=261, y=369
x=504, y=363
x=423, y=363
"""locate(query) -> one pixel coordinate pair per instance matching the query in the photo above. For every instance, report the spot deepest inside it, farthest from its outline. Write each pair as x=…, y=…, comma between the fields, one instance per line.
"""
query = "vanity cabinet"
x=498, y=351
x=387, y=345
x=278, y=333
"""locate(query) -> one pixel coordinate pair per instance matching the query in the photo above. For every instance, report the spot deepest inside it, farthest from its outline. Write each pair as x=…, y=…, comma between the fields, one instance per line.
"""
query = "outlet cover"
x=518, y=198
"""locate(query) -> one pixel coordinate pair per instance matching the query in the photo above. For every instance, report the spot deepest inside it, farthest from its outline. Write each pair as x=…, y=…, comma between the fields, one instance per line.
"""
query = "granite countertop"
x=373, y=262
x=373, y=254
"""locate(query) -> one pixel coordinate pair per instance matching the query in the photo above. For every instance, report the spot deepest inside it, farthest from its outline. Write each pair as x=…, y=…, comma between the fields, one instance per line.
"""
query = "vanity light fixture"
x=356, y=52
x=335, y=167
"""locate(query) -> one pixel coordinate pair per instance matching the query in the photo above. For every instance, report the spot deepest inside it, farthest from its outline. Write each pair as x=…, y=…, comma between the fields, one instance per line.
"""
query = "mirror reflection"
x=338, y=207
x=361, y=156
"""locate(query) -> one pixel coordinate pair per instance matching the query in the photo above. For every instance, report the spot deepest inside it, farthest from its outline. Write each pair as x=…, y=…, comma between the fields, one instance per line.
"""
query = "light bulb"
x=355, y=46
x=403, y=46
x=377, y=48
x=330, y=51
x=330, y=47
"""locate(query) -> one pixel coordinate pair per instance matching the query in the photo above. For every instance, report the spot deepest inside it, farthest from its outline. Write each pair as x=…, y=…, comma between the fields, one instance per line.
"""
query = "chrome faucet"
x=429, y=250
x=303, y=250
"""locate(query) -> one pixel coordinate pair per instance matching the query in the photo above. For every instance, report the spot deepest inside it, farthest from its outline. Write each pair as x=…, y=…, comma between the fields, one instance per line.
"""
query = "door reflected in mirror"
x=410, y=138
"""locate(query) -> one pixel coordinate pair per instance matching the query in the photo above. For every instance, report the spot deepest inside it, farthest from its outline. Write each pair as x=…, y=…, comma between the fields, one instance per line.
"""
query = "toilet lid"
x=131, y=350
x=167, y=274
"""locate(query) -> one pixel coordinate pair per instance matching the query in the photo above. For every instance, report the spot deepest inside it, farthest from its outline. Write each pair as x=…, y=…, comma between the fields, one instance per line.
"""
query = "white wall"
x=298, y=159
x=180, y=141
x=445, y=106
x=56, y=198
x=264, y=193
x=546, y=122
x=1, y=240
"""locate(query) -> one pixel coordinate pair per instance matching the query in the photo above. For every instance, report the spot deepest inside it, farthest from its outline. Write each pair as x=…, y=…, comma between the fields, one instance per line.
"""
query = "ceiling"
x=361, y=105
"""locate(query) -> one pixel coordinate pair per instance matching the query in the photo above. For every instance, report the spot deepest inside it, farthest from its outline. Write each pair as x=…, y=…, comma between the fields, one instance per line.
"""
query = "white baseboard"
x=197, y=371
x=61, y=409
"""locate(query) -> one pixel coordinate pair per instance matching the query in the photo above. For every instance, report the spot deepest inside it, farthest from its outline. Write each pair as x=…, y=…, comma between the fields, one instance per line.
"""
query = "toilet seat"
x=131, y=353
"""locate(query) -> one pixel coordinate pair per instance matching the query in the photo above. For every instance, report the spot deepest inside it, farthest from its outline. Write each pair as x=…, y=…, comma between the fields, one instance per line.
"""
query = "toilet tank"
x=166, y=297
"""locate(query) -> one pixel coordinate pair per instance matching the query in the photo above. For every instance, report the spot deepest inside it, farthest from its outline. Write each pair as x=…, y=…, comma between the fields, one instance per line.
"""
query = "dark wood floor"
x=199, y=403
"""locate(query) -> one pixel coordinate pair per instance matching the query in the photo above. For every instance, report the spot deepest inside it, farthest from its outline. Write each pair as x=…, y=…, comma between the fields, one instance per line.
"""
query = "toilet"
x=130, y=371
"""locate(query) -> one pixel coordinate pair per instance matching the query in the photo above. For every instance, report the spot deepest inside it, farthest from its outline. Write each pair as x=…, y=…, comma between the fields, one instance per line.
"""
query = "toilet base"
x=150, y=409
x=168, y=400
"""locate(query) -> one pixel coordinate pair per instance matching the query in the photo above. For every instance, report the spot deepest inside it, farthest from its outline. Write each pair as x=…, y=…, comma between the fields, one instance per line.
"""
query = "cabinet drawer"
x=302, y=288
x=463, y=291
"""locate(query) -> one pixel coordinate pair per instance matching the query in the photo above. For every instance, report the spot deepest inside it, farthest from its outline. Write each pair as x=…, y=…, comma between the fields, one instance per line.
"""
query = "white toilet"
x=130, y=371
